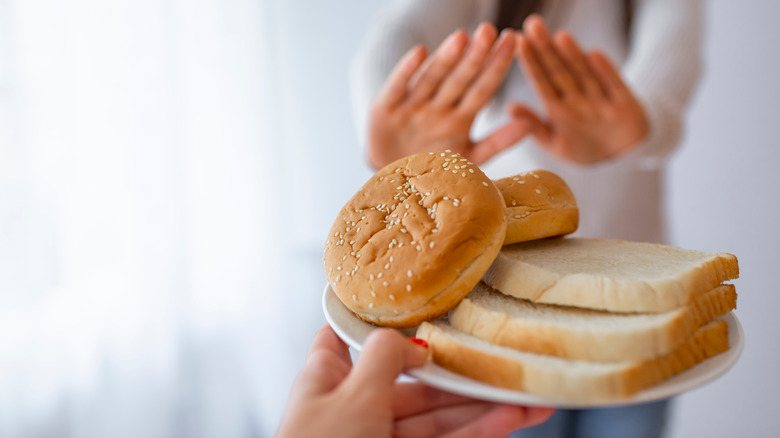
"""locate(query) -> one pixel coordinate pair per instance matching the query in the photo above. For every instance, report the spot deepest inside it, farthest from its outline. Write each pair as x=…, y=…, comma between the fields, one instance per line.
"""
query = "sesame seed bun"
x=539, y=204
x=415, y=239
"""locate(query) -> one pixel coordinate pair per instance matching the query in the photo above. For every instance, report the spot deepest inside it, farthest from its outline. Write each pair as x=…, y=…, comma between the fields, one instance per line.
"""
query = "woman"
x=606, y=130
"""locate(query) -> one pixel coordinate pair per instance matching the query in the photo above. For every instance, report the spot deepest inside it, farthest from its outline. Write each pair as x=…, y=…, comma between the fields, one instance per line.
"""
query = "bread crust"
x=539, y=204
x=599, y=336
x=415, y=239
x=613, y=275
x=567, y=381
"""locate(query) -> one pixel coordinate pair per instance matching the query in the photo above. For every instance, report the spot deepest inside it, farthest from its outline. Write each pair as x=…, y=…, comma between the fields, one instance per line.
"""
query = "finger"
x=441, y=421
x=327, y=339
x=537, y=127
x=576, y=60
x=532, y=68
x=438, y=67
x=486, y=84
x=397, y=84
x=501, y=420
x=385, y=355
x=608, y=76
x=416, y=398
x=327, y=364
x=500, y=140
x=557, y=71
x=468, y=68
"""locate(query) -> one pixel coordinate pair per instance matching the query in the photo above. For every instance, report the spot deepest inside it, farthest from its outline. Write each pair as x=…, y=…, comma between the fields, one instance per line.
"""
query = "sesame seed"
x=463, y=174
x=338, y=268
x=445, y=198
x=435, y=230
x=392, y=297
x=395, y=311
x=409, y=273
x=379, y=275
x=521, y=182
x=373, y=294
x=419, y=248
x=432, y=243
x=536, y=176
x=371, y=277
x=447, y=151
x=514, y=203
x=370, y=305
x=484, y=184
x=387, y=265
x=385, y=284
x=351, y=242
x=354, y=297
x=338, y=277
x=471, y=170
x=403, y=230
x=391, y=259
x=538, y=191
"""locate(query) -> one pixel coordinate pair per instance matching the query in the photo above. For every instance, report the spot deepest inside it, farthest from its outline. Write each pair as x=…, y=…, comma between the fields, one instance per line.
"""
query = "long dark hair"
x=512, y=13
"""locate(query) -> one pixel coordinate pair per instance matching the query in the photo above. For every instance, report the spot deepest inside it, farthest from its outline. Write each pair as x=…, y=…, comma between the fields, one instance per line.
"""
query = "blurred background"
x=169, y=170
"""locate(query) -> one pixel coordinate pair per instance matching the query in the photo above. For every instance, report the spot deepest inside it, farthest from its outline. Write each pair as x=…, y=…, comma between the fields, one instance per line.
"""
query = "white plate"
x=354, y=331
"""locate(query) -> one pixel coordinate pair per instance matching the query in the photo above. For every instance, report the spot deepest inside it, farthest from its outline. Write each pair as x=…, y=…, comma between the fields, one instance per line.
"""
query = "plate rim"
x=441, y=378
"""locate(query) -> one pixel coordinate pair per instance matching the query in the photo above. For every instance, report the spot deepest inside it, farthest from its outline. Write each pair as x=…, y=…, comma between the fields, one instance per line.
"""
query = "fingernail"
x=420, y=342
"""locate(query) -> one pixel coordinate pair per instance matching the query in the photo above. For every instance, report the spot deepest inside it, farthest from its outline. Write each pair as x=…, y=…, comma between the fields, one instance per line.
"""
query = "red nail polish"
x=420, y=342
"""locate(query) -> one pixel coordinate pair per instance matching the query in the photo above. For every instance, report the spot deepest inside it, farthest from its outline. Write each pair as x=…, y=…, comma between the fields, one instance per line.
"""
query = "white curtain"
x=139, y=228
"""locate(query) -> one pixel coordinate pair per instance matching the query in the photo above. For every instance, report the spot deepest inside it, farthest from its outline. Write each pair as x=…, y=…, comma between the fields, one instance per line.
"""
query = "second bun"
x=539, y=204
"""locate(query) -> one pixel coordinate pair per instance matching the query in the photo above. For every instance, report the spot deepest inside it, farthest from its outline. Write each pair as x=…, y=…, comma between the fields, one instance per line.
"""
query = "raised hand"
x=429, y=103
x=591, y=114
x=331, y=398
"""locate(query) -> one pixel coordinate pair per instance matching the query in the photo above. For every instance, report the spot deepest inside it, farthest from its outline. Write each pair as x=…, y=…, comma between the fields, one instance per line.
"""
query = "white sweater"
x=622, y=198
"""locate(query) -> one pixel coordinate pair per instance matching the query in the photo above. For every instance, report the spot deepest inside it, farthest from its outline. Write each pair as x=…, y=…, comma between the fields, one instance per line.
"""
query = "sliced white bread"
x=591, y=335
x=614, y=275
x=565, y=380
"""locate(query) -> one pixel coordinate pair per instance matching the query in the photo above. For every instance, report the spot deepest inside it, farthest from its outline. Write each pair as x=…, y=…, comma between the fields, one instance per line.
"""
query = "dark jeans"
x=635, y=421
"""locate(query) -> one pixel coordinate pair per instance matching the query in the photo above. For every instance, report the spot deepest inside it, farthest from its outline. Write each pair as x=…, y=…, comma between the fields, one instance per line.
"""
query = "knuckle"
x=383, y=337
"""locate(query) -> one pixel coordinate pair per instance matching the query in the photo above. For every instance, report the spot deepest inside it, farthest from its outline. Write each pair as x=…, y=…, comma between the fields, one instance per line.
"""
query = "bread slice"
x=614, y=275
x=564, y=380
x=591, y=335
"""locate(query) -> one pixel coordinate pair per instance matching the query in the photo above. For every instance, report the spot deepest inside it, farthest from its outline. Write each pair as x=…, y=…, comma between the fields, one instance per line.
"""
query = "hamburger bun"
x=415, y=239
x=539, y=204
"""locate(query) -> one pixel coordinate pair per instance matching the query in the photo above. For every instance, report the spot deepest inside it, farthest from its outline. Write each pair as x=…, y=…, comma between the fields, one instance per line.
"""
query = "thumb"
x=500, y=140
x=386, y=354
x=539, y=128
